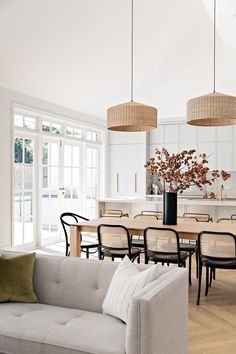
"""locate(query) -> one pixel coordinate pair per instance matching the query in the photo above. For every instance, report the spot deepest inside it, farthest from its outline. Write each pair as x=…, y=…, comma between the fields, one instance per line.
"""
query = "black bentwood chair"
x=75, y=218
x=162, y=245
x=115, y=242
x=215, y=250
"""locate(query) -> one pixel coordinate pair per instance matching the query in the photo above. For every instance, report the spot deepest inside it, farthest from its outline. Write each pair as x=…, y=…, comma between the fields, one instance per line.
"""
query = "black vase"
x=169, y=208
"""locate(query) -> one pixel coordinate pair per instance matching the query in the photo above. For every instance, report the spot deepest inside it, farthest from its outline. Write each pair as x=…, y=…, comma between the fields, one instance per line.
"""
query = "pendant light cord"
x=132, y=50
x=214, y=50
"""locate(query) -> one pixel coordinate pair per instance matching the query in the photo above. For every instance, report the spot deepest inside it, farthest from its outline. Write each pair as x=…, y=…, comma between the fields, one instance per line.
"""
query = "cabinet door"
x=137, y=172
x=224, y=156
x=118, y=170
x=127, y=172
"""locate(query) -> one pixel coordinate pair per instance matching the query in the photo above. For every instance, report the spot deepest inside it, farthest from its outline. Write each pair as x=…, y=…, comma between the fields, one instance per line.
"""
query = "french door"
x=61, y=185
x=24, y=191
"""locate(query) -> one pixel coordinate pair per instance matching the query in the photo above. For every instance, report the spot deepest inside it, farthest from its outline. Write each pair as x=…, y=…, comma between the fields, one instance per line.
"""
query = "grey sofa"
x=68, y=318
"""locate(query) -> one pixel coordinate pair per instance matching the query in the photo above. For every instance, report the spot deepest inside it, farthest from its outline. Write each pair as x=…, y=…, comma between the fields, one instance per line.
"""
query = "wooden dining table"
x=186, y=230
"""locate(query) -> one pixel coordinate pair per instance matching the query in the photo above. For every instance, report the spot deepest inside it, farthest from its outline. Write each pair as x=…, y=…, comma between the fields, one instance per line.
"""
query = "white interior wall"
x=7, y=98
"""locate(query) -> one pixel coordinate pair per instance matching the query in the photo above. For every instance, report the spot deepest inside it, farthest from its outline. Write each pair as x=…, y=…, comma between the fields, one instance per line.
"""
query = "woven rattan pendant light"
x=213, y=109
x=131, y=116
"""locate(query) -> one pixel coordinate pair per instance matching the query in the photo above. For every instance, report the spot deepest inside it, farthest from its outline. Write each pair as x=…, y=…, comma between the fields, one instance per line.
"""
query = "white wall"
x=7, y=98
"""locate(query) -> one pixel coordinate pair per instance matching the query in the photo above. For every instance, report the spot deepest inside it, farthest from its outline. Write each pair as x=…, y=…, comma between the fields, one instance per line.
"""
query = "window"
x=92, y=136
x=49, y=127
x=74, y=132
x=24, y=121
x=23, y=190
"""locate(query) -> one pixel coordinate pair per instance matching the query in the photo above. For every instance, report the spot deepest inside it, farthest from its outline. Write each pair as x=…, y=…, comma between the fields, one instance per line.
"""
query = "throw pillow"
x=127, y=280
x=16, y=279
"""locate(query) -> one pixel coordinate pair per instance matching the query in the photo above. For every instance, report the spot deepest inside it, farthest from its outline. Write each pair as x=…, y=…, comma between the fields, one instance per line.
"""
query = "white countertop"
x=157, y=199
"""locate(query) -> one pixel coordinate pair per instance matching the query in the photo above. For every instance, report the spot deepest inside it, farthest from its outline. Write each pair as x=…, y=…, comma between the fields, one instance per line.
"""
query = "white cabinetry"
x=218, y=143
x=127, y=156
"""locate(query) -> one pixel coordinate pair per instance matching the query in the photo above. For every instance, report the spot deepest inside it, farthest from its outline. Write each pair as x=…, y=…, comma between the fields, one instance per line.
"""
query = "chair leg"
x=87, y=253
x=190, y=268
x=214, y=273
x=197, y=264
x=99, y=254
x=211, y=275
x=138, y=259
x=162, y=263
x=207, y=280
x=67, y=250
x=112, y=258
x=199, y=282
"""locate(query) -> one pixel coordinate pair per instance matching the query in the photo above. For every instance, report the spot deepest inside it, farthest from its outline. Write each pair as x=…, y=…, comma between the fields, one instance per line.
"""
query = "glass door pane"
x=92, y=182
x=72, y=178
x=23, y=191
x=50, y=191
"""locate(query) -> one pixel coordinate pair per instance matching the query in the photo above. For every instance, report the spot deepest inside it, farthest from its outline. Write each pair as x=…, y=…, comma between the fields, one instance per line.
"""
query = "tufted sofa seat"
x=68, y=318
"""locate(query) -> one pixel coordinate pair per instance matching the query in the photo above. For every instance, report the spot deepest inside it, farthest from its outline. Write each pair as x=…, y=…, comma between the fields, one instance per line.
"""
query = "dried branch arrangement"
x=178, y=172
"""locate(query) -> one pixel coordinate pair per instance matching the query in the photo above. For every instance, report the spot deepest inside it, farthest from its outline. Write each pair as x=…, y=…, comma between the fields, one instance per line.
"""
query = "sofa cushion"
x=127, y=280
x=38, y=329
x=72, y=282
x=16, y=280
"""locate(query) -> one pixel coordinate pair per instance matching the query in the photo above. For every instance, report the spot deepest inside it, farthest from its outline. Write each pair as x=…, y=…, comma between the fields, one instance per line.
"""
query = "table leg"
x=75, y=241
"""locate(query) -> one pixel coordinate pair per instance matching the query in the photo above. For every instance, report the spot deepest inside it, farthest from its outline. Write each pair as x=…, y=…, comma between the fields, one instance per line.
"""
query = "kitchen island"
x=134, y=205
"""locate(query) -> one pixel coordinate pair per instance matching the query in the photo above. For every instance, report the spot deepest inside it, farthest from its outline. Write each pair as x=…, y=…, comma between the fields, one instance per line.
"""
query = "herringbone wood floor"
x=212, y=324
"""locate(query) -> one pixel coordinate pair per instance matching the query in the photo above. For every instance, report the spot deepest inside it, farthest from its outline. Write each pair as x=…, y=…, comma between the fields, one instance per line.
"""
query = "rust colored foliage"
x=178, y=172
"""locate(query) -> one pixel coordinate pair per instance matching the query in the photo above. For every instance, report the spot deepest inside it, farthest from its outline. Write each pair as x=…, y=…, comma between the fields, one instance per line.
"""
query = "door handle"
x=135, y=182
x=117, y=182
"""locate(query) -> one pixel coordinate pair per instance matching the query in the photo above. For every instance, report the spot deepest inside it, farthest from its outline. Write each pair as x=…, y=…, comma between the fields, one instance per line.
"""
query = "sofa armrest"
x=158, y=316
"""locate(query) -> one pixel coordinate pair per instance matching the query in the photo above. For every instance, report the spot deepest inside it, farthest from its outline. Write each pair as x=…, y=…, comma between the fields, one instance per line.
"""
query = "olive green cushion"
x=16, y=279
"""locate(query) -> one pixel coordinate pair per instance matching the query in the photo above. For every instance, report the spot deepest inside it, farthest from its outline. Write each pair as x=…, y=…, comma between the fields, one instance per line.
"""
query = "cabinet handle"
x=117, y=182
x=135, y=182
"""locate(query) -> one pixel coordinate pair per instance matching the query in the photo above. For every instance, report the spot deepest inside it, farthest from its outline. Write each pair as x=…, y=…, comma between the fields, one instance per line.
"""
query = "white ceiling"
x=76, y=53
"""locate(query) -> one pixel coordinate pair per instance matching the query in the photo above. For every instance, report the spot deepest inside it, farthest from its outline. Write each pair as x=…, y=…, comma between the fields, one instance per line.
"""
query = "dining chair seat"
x=167, y=258
x=187, y=247
x=207, y=262
x=138, y=242
x=108, y=252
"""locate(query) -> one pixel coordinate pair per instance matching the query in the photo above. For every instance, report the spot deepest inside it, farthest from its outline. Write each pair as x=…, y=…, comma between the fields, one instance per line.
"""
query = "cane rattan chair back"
x=146, y=217
x=217, y=245
x=226, y=221
x=159, y=214
x=115, y=242
x=161, y=240
x=200, y=217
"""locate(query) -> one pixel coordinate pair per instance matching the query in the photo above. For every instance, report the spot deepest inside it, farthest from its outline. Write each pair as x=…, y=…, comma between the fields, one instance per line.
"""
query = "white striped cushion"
x=127, y=280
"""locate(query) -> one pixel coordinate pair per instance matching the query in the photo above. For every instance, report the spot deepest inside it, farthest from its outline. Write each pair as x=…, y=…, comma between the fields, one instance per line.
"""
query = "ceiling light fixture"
x=131, y=116
x=213, y=109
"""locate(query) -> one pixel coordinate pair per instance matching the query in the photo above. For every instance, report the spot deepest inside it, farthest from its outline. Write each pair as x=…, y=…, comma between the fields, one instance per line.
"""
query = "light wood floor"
x=212, y=324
